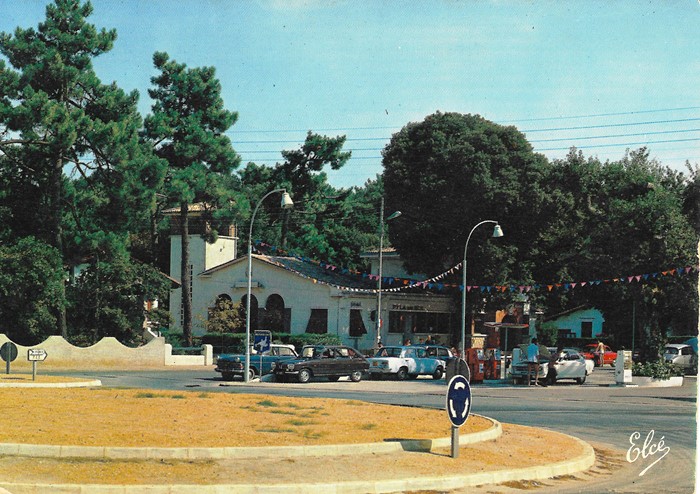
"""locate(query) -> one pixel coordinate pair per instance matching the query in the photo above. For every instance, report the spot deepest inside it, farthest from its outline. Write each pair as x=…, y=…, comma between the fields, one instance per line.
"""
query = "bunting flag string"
x=435, y=284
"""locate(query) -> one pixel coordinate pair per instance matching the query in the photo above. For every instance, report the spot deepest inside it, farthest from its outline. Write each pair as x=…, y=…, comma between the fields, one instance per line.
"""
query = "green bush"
x=659, y=369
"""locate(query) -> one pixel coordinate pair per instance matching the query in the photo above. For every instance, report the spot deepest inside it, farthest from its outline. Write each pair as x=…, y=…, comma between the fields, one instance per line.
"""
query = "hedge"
x=235, y=342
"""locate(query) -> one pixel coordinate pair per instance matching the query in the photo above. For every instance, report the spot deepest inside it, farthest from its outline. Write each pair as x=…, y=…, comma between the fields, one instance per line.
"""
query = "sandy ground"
x=127, y=417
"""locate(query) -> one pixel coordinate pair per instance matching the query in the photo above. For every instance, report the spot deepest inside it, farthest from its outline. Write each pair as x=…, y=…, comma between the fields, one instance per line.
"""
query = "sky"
x=603, y=76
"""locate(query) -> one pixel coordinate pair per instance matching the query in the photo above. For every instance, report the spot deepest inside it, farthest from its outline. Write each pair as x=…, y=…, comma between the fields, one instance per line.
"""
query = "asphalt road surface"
x=621, y=418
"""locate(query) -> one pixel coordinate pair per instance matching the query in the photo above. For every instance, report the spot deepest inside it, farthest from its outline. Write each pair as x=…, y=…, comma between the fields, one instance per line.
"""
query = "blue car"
x=231, y=366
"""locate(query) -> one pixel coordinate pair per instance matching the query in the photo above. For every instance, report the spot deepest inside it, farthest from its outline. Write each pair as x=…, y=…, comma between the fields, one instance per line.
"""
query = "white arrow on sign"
x=36, y=354
x=459, y=385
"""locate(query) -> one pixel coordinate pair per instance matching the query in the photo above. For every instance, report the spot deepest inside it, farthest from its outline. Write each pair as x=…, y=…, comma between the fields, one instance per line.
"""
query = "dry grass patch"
x=140, y=418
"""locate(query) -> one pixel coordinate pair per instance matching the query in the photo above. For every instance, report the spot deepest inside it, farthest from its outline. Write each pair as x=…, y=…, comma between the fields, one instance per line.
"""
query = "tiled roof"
x=309, y=270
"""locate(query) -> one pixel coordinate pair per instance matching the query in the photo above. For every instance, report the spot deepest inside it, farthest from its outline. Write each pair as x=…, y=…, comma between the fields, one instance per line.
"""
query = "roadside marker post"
x=35, y=355
x=262, y=340
x=458, y=405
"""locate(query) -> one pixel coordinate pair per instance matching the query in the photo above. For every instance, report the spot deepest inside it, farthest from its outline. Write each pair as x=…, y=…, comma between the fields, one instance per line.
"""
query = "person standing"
x=533, y=353
x=600, y=353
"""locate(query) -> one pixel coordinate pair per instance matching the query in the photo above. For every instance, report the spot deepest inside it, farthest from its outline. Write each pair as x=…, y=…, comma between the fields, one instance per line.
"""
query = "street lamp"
x=286, y=203
x=497, y=232
x=393, y=215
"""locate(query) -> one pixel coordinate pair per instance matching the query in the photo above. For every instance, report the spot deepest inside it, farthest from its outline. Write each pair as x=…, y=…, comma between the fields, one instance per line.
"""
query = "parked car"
x=569, y=365
x=608, y=357
x=405, y=362
x=590, y=364
x=231, y=366
x=328, y=361
x=682, y=355
x=439, y=352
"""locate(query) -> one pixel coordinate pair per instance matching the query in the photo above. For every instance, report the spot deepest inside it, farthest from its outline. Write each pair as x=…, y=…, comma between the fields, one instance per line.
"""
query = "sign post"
x=35, y=355
x=261, y=343
x=458, y=405
x=8, y=352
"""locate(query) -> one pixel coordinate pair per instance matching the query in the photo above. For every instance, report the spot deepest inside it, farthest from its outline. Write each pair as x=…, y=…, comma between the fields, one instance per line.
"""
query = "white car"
x=590, y=364
x=404, y=362
x=569, y=365
x=681, y=355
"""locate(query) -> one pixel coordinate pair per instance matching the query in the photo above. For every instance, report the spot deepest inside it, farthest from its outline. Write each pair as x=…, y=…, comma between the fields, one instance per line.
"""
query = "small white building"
x=579, y=322
x=298, y=296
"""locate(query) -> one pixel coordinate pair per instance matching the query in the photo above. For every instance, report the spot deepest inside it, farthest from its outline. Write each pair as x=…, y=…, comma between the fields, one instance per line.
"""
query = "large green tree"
x=452, y=171
x=58, y=116
x=186, y=128
x=617, y=219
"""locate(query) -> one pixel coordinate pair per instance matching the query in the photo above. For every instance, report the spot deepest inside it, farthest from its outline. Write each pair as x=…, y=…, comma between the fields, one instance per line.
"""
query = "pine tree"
x=187, y=128
x=58, y=116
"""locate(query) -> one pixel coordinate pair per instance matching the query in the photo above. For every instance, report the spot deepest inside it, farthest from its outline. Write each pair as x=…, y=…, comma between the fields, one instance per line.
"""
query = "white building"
x=296, y=296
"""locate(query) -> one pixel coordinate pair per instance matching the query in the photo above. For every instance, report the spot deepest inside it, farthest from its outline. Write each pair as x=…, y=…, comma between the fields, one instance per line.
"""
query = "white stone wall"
x=107, y=352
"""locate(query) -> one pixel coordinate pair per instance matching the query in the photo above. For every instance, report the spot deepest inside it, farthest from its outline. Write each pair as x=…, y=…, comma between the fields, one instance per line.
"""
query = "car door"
x=341, y=364
x=565, y=367
x=408, y=357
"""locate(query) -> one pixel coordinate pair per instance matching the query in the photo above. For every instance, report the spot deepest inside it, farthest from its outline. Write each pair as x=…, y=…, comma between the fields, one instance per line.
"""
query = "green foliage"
x=65, y=117
x=31, y=274
x=447, y=174
x=658, y=369
x=547, y=334
x=187, y=129
x=235, y=342
x=226, y=317
x=108, y=299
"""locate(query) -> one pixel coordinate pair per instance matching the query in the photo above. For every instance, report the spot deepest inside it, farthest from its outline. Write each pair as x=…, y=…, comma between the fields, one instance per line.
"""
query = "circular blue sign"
x=459, y=400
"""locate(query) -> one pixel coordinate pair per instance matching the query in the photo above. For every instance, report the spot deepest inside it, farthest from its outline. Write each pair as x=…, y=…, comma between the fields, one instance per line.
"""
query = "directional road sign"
x=459, y=400
x=36, y=354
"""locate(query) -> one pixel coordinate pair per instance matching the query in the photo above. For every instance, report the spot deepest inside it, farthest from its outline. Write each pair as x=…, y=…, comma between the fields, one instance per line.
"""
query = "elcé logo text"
x=647, y=449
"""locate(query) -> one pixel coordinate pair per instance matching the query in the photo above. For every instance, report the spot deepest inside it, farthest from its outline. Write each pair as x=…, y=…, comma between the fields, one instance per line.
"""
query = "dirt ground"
x=128, y=417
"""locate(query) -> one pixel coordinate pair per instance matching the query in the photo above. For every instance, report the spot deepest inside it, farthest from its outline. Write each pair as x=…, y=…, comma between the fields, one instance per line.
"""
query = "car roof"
x=676, y=345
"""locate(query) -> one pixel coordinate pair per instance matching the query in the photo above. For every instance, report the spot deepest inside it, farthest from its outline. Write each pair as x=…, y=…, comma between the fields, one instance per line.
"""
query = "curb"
x=76, y=384
x=232, y=453
x=541, y=472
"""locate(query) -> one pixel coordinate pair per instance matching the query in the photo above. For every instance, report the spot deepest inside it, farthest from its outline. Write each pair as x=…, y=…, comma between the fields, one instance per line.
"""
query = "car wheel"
x=402, y=374
x=356, y=376
x=304, y=375
x=333, y=378
x=251, y=373
x=438, y=373
x=580, y=380
x=227, y=376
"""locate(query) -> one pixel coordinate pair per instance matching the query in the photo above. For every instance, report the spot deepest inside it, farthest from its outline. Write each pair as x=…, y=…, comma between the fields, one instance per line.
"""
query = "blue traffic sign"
x=459, y=400
x=262, y=341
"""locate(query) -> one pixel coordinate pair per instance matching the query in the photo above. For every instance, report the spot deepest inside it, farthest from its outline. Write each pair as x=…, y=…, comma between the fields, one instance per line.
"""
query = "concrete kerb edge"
x=76, y=384
x=539, y=472
x=149, y=453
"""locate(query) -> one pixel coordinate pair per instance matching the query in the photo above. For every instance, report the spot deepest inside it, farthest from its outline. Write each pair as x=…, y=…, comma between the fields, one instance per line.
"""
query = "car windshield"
x=671, y=350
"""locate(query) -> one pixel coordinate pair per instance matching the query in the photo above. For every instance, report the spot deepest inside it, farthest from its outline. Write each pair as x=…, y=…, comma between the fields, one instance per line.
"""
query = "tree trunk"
x=185, y=275
x=57, y=218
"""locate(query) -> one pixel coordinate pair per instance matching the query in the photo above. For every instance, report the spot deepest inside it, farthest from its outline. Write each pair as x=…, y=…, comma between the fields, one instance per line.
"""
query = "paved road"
x=597, y=412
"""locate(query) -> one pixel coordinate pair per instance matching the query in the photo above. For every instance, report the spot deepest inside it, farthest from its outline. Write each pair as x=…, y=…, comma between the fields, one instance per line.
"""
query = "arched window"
x=253, y=310
x=276, y=316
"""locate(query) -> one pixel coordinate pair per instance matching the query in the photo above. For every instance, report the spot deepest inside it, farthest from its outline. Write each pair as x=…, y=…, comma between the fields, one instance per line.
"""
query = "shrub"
x=659, y=369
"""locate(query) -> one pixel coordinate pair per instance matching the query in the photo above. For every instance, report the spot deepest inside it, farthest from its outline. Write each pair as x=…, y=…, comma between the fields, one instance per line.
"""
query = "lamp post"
x=286, y=203
x=393, y=215
x=497, y=232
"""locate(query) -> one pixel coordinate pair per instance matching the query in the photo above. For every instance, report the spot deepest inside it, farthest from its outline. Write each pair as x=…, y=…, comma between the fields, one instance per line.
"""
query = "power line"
x=539, y=119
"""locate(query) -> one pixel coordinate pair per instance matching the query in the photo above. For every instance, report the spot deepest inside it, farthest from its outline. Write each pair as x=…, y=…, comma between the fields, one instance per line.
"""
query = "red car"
x=608, y=357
